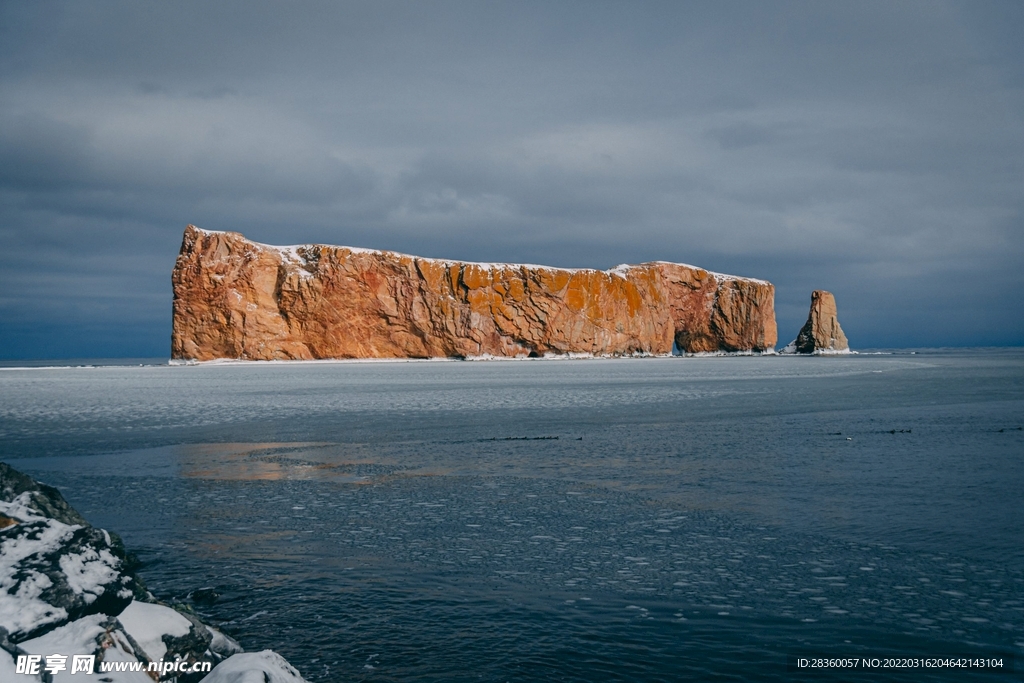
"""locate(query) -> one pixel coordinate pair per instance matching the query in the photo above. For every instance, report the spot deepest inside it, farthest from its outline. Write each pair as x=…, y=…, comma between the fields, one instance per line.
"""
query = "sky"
x=872, y=149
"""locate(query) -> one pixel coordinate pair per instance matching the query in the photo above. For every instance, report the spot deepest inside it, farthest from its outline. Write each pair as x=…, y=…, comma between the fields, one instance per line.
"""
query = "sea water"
x=654, y=519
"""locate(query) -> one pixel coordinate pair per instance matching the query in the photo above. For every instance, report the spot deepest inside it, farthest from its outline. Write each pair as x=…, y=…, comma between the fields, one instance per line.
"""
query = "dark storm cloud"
x=873, y=149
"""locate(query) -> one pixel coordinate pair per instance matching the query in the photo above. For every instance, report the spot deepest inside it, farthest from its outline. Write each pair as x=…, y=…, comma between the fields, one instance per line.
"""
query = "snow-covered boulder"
x=150, y=623
x=254, y=667
x=169, y=635
x=54, y=569
x=98, y=635
x=43, y=500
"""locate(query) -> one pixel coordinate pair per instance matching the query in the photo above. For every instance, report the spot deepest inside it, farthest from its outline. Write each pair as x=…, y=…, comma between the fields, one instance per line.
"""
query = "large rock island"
x=234, y=298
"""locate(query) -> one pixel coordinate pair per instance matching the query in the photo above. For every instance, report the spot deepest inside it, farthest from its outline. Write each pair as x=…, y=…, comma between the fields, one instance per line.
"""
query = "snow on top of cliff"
x=292, y=253
x=622, y=270
x=721, y=277
x=208, y=232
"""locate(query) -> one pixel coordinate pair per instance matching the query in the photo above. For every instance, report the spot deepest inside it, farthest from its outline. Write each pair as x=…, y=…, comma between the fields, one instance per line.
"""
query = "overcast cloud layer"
x=872, y=149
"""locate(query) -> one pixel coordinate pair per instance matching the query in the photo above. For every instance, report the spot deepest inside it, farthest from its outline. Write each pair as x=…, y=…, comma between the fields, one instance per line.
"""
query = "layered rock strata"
x=234, y=298
x=69, y=588
x=821, y=333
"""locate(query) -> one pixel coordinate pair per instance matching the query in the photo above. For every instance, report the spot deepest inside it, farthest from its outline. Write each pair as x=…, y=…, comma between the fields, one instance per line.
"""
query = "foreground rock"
x=821, y=333
x=54, y=567
x=234, y=298
x=255, y=667
x=68, y=588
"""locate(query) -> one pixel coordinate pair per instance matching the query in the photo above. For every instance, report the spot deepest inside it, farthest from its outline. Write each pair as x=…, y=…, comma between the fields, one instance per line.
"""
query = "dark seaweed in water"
x=371, y=521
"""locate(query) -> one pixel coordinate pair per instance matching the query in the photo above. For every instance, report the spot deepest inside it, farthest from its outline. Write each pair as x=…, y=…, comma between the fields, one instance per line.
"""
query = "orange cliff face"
x=238, y=299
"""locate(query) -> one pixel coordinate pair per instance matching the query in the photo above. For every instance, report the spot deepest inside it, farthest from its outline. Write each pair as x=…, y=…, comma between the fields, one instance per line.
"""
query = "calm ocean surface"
x=592, y=520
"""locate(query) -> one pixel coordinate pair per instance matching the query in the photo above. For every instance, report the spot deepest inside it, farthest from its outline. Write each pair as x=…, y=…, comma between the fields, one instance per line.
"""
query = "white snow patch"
x=293, y=256
x=242, y=361
x=80, y=637
x=744, y=352
x=621, y=270
x=76, y=637
x=147, y=623
x=291, y=253
x=791, y=349
x=568, y=356
x=19, y=508
x=8, y=670
x=487, y=357
x=721, y=277
x=88, y=571
x=254, y=667
x=209, y=232
x=21, y=609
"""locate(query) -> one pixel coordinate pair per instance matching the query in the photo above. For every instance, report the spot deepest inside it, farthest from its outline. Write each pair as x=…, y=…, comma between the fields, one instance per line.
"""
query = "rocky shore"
x=73, y=609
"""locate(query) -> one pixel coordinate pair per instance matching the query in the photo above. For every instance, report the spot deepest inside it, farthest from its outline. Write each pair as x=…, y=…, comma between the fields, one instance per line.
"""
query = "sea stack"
x=821, y=333
x=238, y=299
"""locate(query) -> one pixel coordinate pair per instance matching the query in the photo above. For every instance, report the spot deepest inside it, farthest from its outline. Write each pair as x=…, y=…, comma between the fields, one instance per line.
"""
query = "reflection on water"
x=265, y=461
x=228, y=462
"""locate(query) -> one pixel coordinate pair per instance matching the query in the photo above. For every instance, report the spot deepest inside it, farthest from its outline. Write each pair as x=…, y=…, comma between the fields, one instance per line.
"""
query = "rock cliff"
x=234, y=298
x=821, y=333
